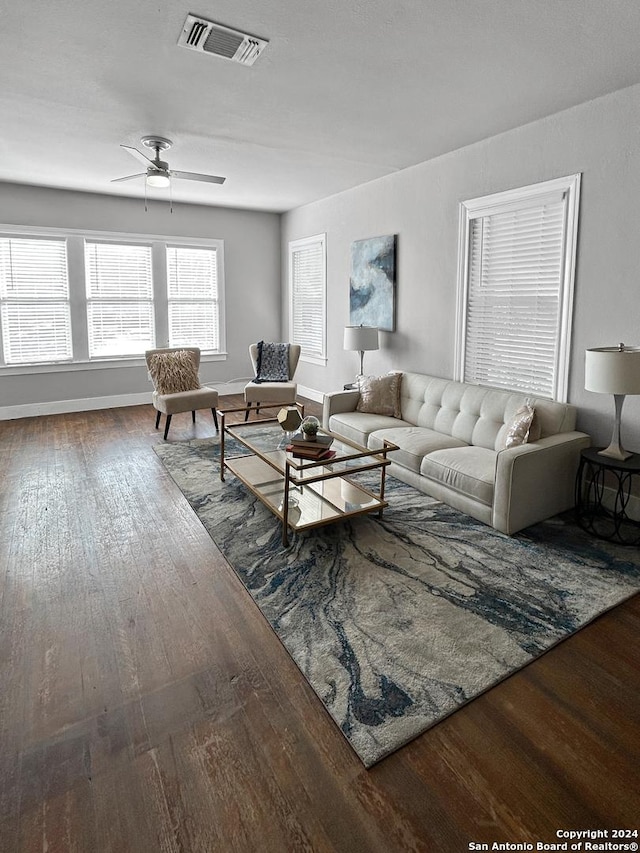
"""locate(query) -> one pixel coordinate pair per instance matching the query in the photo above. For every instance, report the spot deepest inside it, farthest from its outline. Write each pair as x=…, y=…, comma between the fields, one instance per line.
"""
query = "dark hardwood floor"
x=146, y=705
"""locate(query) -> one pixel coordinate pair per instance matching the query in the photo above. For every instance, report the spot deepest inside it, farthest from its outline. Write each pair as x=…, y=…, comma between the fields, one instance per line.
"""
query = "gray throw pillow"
x=272, y=362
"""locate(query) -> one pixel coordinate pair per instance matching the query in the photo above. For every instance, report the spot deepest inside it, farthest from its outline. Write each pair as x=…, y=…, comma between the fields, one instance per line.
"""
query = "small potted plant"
x=309, y=427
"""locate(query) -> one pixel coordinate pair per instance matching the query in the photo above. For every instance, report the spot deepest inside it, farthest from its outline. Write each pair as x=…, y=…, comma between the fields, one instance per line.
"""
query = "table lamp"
x=360, y=338
x=613, y=370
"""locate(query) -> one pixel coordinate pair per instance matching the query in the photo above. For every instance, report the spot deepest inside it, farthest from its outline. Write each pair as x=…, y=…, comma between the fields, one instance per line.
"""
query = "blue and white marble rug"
x=397, y=622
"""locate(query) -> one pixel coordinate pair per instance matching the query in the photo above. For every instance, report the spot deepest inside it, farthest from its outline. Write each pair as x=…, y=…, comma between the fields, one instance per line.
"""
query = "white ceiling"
x=345, y=92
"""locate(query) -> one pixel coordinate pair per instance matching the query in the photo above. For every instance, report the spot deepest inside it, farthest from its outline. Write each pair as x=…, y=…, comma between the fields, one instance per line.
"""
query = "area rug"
x=397, y=622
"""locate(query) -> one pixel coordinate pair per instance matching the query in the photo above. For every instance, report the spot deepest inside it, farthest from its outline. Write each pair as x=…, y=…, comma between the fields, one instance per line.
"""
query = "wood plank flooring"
x=146, y=705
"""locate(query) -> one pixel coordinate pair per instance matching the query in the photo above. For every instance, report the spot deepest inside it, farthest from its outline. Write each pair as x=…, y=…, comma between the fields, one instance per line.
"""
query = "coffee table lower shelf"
x=309, y=505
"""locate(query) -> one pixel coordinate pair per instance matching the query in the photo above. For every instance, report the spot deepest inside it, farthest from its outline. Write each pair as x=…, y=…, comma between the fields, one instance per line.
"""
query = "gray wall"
x=252, y=273
x=600, y=139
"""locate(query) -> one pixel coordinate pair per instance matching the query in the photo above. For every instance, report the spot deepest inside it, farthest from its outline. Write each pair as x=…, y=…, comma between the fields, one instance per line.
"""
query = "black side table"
x=595, y=473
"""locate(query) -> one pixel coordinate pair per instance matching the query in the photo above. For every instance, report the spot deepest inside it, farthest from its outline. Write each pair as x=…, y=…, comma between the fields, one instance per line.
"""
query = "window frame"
x=7, y=299
x=513, y=200
x=217, y=301
x=92, y=299
x=294, y=246
x=75, y=239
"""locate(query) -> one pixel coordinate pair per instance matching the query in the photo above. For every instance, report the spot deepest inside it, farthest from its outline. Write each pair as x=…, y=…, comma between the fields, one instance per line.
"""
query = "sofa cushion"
x=413, y=443
x=185, y=401
x=468, y=470
x=270, y=392
x=357, y=426
x=470, y=413
x=475, y=414
x=380, y=395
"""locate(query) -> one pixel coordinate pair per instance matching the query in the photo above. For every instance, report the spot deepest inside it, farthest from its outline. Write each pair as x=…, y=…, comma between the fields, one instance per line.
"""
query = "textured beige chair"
x=256, y=393
x=174, y=373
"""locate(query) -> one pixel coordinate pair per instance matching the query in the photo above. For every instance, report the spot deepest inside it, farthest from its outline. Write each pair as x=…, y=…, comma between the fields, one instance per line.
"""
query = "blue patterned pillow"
x=272, y=363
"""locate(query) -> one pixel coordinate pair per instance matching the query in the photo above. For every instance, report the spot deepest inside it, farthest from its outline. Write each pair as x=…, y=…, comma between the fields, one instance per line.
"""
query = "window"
x=119, y=299
x=307, y=288
x=71, y=297
x=34, y=300
x=515, y=288
x=192, y=279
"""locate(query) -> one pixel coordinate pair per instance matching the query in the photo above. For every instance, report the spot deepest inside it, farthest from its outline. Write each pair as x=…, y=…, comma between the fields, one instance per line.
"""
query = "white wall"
x=600, y=139
x=252, y=272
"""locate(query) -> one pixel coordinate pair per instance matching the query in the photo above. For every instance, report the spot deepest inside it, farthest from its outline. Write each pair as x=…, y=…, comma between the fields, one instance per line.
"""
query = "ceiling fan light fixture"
x=158, y=173
x=157, y=179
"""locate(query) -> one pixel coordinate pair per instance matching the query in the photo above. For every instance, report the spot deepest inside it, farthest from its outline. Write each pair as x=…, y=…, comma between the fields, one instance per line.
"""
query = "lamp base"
x=614, y=451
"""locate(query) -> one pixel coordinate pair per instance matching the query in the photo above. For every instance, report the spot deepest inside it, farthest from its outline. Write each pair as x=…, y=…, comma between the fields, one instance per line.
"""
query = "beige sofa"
x=451, y=438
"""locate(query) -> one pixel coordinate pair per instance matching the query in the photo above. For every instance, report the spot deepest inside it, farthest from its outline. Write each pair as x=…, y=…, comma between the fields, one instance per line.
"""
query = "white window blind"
x=518, y=286
x=34, y=300
x=307, y=266
x=119, y=299
x=194, y=310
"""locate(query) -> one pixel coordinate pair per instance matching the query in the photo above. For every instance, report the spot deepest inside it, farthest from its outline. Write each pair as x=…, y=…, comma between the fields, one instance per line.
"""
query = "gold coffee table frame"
x=302, y=493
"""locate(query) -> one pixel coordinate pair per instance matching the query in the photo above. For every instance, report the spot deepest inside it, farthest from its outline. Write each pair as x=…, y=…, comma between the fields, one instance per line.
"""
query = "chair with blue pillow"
x=274, y=366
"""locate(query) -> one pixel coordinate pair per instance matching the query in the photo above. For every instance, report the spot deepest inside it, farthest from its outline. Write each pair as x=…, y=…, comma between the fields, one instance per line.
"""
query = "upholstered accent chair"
x=176, y=386
x=266, y=392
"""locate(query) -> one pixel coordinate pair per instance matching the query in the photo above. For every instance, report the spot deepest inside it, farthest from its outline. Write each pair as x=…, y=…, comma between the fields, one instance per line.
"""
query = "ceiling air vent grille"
x=207, y=37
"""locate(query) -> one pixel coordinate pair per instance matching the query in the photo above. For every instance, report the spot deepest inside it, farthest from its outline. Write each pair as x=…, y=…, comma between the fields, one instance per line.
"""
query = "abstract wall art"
x=372, y=285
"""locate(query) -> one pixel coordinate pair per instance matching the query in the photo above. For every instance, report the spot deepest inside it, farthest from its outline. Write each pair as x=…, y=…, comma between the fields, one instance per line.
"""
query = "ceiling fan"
x=158, y=173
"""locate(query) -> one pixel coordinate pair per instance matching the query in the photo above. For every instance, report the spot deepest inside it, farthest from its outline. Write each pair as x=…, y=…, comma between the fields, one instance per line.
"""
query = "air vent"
x=207, y=37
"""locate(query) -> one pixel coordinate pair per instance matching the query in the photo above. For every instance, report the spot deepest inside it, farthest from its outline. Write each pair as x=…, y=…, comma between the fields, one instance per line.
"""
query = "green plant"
x=309, y=426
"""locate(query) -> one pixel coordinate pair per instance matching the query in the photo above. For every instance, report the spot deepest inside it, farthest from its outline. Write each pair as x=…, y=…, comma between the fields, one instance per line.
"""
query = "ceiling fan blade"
x=194, y=176
x=128, y=178
x=138, y=155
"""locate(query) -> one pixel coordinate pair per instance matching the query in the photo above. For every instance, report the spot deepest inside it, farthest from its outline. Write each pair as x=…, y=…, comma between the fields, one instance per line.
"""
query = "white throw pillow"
x=524, y=427
x=380, y=395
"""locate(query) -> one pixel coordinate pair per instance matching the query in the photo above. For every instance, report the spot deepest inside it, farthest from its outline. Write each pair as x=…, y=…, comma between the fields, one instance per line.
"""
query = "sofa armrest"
x=537, y=480
x=338, y=402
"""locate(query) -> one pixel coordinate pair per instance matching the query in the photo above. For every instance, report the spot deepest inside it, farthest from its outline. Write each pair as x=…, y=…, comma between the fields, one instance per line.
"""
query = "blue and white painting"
x=373, y=283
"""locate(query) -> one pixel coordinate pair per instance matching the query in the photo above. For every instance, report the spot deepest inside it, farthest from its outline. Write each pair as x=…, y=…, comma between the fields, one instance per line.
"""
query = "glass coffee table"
x=302, y=493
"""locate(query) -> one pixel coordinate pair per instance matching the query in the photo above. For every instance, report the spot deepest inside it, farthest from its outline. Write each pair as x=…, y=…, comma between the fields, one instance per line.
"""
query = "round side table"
x=607, y=518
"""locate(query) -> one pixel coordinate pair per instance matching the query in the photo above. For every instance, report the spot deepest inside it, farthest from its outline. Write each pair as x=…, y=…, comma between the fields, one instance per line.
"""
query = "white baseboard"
x=310, y=394
x=224, y=388
x=116, y=401
x=58, y=407
x=88, y=404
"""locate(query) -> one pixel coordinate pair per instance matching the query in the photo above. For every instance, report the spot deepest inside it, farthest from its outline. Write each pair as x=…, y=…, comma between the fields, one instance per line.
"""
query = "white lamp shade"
x=360, y=337
x=612, y=370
